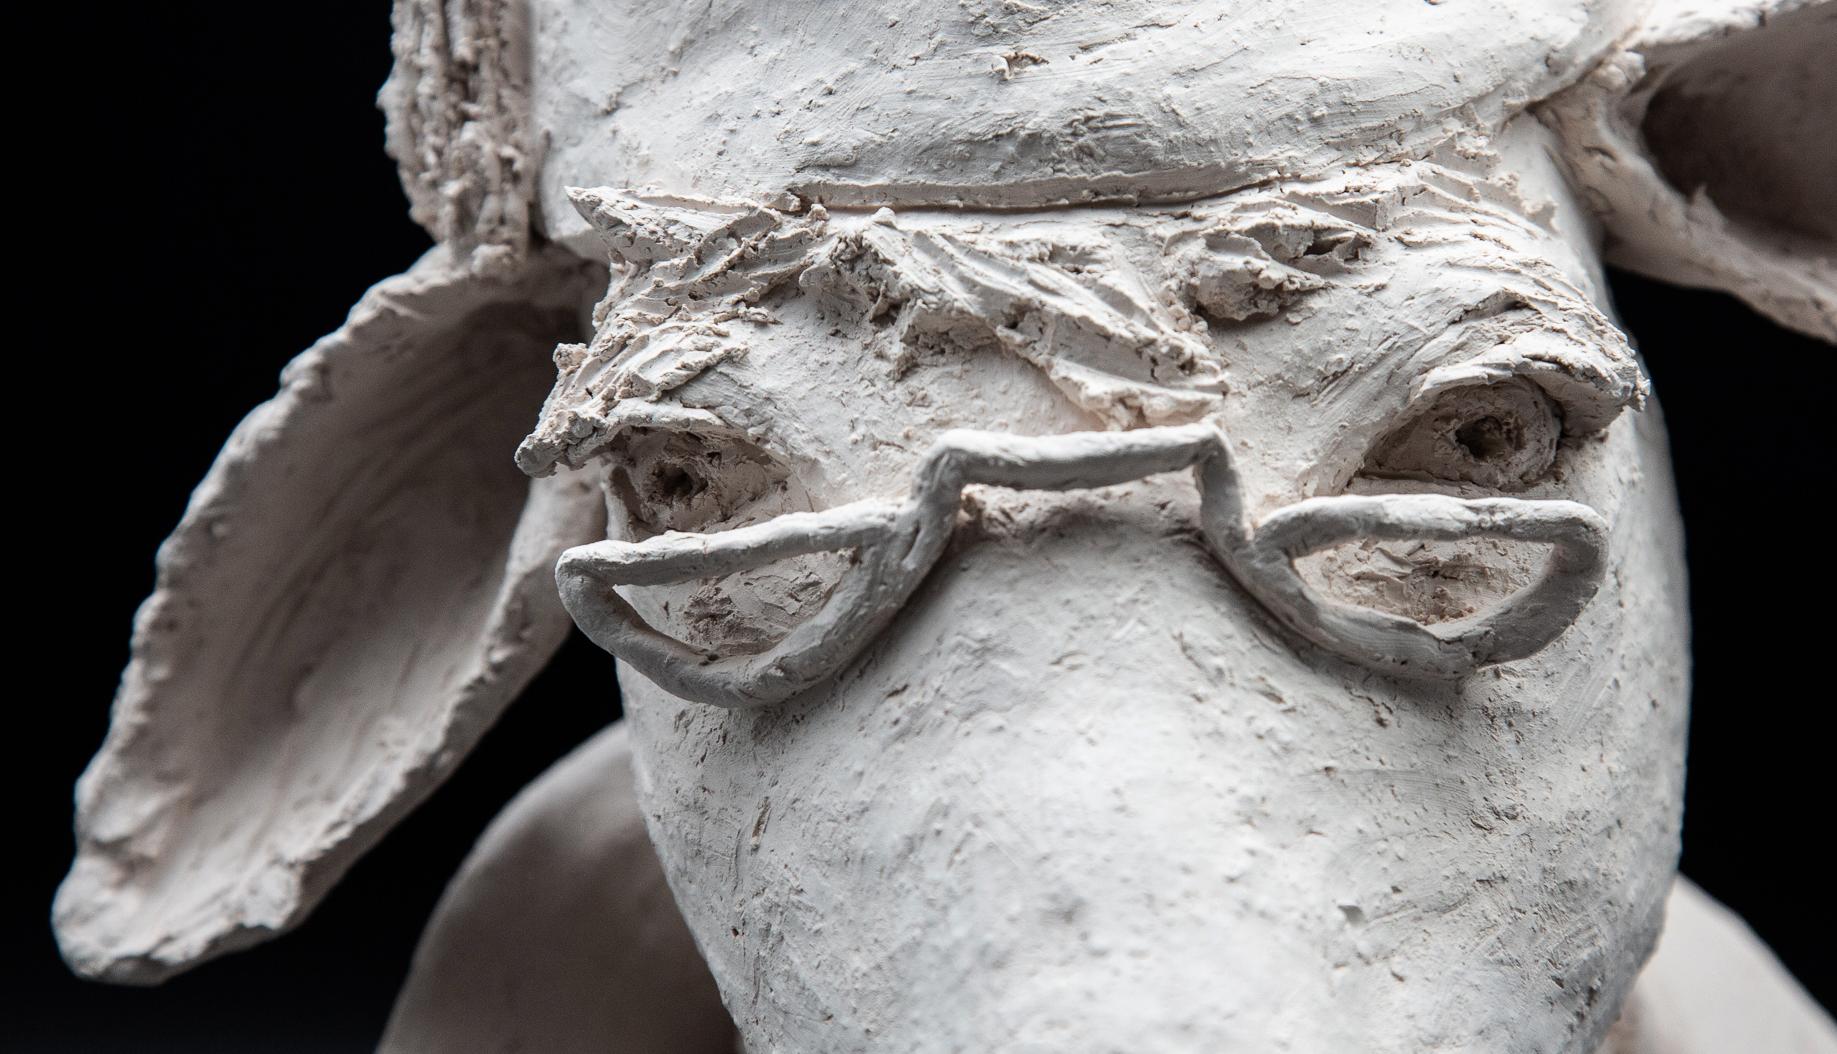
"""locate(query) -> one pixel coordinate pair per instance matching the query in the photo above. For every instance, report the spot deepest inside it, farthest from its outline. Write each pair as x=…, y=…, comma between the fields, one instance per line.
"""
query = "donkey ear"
x=359, y=586
x=1705, y=146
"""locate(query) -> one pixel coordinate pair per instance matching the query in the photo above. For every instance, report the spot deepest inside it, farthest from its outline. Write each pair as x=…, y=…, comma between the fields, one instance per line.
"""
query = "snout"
x=1088, y=794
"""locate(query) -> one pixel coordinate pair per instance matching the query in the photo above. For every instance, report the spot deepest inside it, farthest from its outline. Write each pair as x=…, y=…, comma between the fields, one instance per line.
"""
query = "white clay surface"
x=357, y=589
x=459, y=128
x=1083, y=790
x=1705, y=143
x=1037, y=744
x=995, y=102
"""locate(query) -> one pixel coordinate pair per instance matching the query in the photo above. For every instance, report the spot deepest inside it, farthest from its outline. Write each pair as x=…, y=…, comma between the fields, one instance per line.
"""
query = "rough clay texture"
x=1158, y=822
x=559, y=935
x=458, y=125
x=1006, y=103
x=1705, y=145
x=897, y=314
x=1080, y=789
x=357, y=588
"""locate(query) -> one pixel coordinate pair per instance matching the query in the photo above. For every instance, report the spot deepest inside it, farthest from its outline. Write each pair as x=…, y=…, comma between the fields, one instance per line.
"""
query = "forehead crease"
x=1004, y=104
x=1127, y=311
x=1058, y=297
x=1456, y=274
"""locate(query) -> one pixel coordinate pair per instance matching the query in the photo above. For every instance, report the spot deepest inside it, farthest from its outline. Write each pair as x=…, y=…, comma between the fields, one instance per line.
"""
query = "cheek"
x=1085, y=785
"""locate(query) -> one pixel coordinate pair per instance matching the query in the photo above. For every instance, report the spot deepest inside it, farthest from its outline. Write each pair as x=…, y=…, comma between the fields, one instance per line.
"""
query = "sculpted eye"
x=681, y=481
x=1502, y=436
x=661, y=480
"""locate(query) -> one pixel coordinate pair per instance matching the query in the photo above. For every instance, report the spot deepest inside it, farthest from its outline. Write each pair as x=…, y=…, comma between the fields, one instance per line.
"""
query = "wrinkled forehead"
x=1012, y=103
x=1382, y=279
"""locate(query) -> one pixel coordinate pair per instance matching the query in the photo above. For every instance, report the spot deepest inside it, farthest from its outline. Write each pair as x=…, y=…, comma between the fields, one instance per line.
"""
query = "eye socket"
x=660, y=480
x=680, y=481
x=1502, y=436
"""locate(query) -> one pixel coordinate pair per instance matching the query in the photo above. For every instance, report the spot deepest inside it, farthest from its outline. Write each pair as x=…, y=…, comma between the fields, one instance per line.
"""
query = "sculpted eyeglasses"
x=897, y=544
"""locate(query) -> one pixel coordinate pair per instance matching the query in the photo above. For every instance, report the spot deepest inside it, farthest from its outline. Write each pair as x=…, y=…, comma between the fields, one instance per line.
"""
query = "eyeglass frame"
x=897, y=544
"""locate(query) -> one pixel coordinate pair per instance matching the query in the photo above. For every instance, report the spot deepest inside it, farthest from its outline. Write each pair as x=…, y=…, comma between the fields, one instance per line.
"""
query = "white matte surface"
x=1078, y=775
x=357, y=589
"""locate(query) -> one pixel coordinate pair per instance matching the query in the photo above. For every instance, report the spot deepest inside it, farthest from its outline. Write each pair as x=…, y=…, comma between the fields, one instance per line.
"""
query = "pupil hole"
x=1487, y=439
x=673, y=484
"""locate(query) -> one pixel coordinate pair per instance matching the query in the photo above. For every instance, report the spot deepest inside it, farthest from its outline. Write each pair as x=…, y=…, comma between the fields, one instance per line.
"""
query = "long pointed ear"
x=559, y=933
x=360, y=584
x=1706, y=145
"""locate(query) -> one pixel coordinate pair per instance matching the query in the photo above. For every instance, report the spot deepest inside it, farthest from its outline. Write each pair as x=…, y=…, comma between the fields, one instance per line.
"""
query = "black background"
x=207, y=194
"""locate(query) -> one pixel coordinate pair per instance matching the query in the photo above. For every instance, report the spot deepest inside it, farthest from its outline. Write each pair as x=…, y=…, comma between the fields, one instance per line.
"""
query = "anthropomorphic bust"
x=1126, y=527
